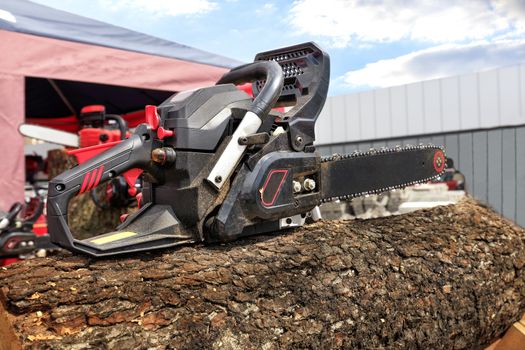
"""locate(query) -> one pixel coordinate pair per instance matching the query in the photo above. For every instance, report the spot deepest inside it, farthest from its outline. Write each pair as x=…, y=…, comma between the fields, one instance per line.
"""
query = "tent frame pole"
x=62, y=96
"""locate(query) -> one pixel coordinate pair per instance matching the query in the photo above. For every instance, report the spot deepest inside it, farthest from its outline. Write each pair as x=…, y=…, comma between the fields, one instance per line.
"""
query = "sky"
x=371, y=43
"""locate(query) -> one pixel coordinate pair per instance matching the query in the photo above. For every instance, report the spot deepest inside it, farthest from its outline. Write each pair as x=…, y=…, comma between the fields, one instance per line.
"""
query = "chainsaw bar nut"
x=309, y=184
x=296, y=187
x=163, y=155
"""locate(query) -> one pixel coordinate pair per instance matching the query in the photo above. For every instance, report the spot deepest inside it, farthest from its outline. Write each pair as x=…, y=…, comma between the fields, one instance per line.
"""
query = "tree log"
x=449, y=277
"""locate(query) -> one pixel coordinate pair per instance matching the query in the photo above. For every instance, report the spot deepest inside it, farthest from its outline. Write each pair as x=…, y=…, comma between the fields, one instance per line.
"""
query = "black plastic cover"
x=200, y=117
x=306, y=70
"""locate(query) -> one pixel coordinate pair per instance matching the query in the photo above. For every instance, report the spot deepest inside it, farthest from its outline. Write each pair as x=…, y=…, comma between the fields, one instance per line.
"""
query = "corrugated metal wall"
x=473, y=101
x=493, y=162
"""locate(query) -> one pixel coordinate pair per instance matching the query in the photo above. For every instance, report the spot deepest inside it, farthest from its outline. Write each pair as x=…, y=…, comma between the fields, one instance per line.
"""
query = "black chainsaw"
x=218, y=164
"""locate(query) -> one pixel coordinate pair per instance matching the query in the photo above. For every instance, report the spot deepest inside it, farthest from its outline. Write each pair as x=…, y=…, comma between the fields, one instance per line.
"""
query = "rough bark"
x=84, y=217
x=450, y=277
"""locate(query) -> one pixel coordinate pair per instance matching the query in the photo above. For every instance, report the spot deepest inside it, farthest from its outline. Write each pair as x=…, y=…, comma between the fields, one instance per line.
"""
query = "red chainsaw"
x=96, y=127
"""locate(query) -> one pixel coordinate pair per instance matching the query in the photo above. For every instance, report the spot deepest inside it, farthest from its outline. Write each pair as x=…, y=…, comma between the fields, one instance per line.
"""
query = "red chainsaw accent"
x=152, y=117
x=439, y=155
x=83, y=188
x=92, y=136
x=162, y=133
x=7, y=261
x=131, y=177
x=40, y=226
x=248, y=89
x=135, y=118
x=93, y=109
x=123, y=217
x=139, y=200
x=284, y=172
x=85, y=154
x=452, y=185
x=96, y=175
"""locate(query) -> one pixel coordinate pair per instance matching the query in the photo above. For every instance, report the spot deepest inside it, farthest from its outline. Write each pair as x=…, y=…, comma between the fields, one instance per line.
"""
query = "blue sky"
x=372, y=43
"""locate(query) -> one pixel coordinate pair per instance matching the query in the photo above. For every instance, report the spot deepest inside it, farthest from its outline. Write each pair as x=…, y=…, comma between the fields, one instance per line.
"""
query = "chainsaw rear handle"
x=37, y=212
x=132, y=153
x=270, y=71
x=122, y=124
x=7, y=220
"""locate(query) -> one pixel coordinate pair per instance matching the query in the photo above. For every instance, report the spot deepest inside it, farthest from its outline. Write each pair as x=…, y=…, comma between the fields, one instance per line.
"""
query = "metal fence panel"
x=508, y=173
x=520, y=176
x=509, y=87
x=464, y=162
x=480, y=165
x=489, y=99
x=398, y=103
x=450, y=104
x=415, y=109
x=494, y=169
x=432, y=106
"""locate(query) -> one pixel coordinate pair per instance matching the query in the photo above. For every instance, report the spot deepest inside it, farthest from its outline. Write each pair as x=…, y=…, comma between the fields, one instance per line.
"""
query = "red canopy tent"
x=53, y=63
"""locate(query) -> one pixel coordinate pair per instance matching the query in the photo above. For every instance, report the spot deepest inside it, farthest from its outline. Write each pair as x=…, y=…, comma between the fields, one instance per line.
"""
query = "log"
x=445, y=278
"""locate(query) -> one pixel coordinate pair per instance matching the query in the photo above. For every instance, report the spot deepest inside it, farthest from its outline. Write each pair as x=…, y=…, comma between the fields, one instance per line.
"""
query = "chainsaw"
x=17, y=236
x=218, y=165
x=95, y=127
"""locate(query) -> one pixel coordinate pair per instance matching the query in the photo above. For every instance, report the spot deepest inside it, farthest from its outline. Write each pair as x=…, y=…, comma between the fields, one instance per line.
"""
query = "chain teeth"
x=382, y=150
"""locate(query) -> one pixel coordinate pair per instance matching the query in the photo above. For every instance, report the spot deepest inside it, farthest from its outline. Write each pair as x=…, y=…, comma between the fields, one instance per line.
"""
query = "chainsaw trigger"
x=131, y=177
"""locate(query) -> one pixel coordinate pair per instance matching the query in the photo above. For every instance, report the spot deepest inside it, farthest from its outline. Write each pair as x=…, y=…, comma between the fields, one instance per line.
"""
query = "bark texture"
x=84, y=216
x=446, y=278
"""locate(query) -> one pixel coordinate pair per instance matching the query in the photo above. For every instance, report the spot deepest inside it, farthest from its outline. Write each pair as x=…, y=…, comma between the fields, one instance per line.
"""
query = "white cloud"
x=7, y=16
x=437, y=62
x=345, y=21
x=266, y=9
x=162, y=8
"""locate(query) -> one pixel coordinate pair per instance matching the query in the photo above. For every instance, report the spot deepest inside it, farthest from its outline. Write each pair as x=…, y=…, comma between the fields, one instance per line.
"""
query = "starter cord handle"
x=261, y=70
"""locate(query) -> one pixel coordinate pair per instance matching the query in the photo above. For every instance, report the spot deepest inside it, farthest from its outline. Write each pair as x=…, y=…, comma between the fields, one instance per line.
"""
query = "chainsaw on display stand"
x=218, y=164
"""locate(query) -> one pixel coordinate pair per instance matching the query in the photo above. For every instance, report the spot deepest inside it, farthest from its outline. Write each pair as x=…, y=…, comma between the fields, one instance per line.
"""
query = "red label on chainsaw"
x=272, y=186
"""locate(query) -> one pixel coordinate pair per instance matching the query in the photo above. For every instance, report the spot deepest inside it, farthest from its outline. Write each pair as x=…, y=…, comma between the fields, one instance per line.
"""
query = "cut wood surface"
x=445, y=278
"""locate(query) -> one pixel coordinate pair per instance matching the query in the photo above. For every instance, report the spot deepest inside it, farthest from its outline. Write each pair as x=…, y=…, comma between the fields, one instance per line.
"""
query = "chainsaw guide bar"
x=376, y=171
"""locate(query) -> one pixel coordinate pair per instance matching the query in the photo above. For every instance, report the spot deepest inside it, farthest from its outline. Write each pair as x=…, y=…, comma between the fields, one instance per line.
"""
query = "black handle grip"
x=122, y=124
x=269, y=70
x=131, y=153
x=13, y=211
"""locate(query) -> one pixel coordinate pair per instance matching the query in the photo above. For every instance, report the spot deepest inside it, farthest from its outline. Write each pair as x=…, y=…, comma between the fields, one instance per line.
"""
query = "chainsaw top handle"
x=268, y=96
x=7, y=220
x=122, y=124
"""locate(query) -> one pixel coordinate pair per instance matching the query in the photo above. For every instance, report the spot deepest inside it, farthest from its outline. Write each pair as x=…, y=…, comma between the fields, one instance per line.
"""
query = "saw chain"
x=370, y=154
